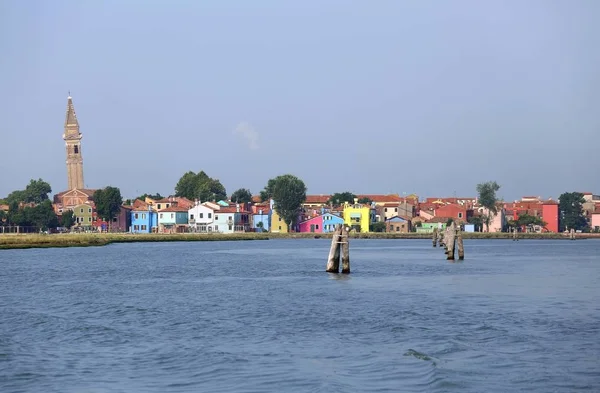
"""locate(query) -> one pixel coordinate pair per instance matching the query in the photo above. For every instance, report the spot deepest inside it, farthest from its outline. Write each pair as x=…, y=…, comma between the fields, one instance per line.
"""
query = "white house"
x=201, y=218
x=225, y=220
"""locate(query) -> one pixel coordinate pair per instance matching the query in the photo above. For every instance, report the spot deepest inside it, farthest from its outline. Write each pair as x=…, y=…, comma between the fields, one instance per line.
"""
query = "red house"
x=550, y=215
x=456, y=212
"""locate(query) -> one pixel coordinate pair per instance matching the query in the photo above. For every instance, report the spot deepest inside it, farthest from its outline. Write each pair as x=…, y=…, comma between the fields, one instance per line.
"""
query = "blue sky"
x=371, y=96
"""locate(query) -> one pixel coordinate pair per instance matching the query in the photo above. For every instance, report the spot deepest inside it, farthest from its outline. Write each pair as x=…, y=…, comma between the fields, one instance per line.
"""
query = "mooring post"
x=460, y=245
x=333, y=262
x=345, y=250
x=451, y=242
x=435, y=237
x=572, y=233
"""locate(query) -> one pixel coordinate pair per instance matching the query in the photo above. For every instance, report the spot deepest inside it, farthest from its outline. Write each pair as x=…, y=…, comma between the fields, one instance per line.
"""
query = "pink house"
x=314, y=225
x=595, y=221
x=498, y=221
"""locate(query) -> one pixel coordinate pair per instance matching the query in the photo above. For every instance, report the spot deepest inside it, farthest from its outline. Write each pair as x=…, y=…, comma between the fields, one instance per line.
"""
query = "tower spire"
x=71, y=117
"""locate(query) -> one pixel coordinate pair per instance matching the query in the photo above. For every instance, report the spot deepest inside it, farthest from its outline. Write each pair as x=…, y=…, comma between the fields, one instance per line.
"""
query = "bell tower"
x=72, y=138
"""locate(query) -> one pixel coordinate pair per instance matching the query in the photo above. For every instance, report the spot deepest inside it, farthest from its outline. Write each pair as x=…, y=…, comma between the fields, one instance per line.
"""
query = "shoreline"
x=25, y=241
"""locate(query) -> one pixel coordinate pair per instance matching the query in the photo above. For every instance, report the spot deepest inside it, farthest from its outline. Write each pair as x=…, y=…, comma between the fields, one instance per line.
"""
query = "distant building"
x=72, y=138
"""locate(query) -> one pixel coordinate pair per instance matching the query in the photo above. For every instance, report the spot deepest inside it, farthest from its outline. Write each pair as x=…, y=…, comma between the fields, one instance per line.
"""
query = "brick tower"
x=72, y=138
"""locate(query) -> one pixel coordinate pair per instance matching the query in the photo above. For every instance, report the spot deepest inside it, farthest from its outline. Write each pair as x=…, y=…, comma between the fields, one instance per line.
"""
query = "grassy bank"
x=87, y=240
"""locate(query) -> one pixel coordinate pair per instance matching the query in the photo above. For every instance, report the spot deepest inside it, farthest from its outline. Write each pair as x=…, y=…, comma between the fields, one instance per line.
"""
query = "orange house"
x=550, y=215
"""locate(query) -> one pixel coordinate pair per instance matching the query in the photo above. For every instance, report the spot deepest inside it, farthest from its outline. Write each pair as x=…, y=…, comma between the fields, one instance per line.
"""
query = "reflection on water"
x=264, y=316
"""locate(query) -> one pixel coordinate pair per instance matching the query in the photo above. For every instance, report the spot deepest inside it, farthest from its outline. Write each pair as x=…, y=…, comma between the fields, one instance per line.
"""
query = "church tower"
x=72, y=138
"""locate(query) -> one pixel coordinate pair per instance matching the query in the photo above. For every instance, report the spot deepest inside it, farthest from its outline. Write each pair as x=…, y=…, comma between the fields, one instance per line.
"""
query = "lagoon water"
x=263, y=316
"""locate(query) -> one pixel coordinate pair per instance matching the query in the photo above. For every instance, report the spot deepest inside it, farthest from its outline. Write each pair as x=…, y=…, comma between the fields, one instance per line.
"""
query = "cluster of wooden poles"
x=339, y=247
x=450, y=239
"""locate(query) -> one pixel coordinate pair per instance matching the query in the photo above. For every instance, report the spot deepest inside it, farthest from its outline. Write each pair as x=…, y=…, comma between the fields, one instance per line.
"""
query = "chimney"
x=237, y=207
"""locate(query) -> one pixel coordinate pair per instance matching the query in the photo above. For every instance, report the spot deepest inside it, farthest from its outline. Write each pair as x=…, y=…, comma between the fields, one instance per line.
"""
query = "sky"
x=425, y=97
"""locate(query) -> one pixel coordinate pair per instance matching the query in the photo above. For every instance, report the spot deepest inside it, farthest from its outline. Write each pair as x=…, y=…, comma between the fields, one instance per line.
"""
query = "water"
x=264, y=316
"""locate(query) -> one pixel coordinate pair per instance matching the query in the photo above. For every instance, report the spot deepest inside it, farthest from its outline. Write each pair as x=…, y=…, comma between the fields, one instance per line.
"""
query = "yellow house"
x=357, y=216
x=277, y=223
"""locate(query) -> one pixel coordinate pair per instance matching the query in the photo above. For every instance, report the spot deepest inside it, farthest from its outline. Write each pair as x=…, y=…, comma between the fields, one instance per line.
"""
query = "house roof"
x=177, y=209
x=438, y=219
x=317, y=198
x=230, y=209
x=381, y=198
x=395, y=218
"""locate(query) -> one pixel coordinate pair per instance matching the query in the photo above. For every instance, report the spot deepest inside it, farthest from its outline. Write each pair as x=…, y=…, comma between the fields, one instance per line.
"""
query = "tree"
x=156, y=196
x=42, y=215
x=200, y=186
x=108, y=203
x=365, y=201
x=340, y=197
x=68, y=219
x=449, y=221
x=477, y=222
x=36, y=192
x=377, y=227
x=267, y=193
x=487, y=198
x=288, y=193
x=243, y=195
x=571, y=211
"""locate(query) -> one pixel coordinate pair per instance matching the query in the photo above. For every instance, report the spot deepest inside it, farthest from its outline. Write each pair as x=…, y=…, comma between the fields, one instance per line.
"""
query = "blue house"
x=263, y=215
x=330, y=221
x=144, y=221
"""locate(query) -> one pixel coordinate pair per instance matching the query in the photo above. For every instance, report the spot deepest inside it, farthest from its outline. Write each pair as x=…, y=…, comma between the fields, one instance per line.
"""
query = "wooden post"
x=333, y=262
x=441, y=238
x=435, y=237
x=460, y=245
x=572, y=233
x=451, y=242
x=514, y=234
x=345, y=251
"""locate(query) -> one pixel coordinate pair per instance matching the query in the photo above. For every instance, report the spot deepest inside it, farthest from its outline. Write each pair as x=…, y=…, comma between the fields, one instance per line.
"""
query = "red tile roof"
x=174, y=209
x=381, y=198
x=313, y=199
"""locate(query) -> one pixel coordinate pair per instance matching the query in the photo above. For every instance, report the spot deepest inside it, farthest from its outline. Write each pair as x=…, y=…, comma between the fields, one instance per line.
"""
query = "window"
x=89, y=210
x=386, y=209
x=172, y=215
x=89, y=219
x=396, y=209
x=216, y=227
x=76, y=149
x=201, y=215
x=460, y=215
x=115, y=219
x=192, y=216
x=216, y=217
x=280, y=220
x=136, y=216
x=81, y=210
x=317, y=226
x=210, y=214
x=280, y=227
x=230, y=227
x=158, y=206
x=144, y=228
x=136, y=227
x=143, y=216
x=161, y=215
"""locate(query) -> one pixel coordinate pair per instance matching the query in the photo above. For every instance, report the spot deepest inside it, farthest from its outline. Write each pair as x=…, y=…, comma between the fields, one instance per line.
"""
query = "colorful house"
x=550, y=216
x=84, y=215
x=120, y=223
x=430, y=225
x=330, y=221
x=144, y=220
x=357, y=216
x=312, y=225
x=201, y=218
x=397, y=225
x=277, y=223
x=261, y=218
x=224, y=220
x=173, y=219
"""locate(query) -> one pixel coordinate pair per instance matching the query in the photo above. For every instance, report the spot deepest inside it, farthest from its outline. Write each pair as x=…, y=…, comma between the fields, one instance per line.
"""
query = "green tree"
x=365, y=201
x=477, y=222
x=487, y=198
x=200, y=186
x=108, y=203
x=42, y=215
x=3, y=217
x=151, y=196
x=37, y=191
x=571, y=211
x=527, y=220
x=339, y=198
x=377, y=227
x=449, y=221
x=288, y=193
x=68, y=219
x=267, y=193
x=243, y=195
